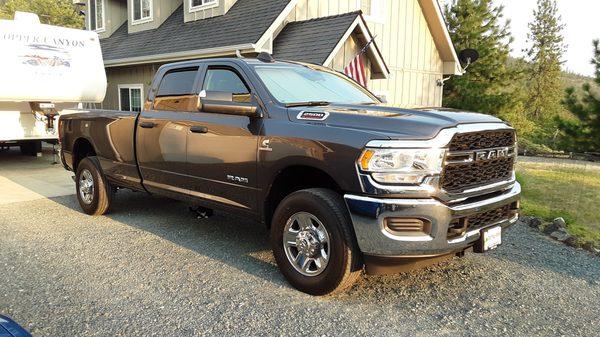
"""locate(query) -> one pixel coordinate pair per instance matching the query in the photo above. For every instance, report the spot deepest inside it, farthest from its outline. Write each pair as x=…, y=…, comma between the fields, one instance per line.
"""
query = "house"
x=411, y=52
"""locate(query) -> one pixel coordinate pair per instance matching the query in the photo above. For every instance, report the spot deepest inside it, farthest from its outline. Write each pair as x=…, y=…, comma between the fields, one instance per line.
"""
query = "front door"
x=221, y=148
x=163, y=129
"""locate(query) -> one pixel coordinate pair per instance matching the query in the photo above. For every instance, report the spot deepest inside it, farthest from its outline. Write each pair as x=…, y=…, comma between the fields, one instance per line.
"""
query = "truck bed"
x=110, y=134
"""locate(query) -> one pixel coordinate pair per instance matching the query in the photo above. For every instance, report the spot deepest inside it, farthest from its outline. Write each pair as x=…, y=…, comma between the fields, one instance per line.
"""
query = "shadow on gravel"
x=243, y=244
x=239, y=243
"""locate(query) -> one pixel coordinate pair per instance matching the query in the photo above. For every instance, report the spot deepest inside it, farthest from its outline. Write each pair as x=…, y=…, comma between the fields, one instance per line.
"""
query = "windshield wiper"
x=308, y=103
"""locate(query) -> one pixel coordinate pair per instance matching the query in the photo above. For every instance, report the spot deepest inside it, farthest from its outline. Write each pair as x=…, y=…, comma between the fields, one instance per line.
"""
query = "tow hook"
x=202, y=212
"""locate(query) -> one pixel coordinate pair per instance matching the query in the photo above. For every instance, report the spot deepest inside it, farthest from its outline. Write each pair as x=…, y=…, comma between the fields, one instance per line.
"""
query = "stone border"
x=557, y=230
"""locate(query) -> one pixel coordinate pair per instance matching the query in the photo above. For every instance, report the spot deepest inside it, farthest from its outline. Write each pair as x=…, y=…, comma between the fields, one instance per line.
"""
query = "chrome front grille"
x=477, y=159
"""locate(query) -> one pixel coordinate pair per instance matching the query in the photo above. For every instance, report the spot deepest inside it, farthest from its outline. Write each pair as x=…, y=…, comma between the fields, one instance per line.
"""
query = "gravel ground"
x=151, y=268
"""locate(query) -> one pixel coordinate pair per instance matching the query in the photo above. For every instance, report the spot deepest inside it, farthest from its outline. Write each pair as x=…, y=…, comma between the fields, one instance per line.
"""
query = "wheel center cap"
x=307, y=243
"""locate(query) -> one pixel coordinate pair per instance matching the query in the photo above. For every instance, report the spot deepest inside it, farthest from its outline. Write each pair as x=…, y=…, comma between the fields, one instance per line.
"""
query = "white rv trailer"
x=44, y=71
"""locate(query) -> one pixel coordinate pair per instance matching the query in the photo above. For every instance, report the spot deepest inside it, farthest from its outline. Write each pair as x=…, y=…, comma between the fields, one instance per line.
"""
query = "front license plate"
x=492, y=237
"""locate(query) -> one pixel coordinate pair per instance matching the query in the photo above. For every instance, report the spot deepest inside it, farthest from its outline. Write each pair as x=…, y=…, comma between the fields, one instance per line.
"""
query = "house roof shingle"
x=244, y=23
x=312, y=40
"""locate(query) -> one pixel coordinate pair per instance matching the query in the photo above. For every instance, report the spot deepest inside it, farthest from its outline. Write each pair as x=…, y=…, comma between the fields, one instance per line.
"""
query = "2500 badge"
x=313, y=115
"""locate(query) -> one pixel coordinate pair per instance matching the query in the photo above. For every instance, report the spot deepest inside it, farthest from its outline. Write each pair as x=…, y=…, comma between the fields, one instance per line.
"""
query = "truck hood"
x=394, y=123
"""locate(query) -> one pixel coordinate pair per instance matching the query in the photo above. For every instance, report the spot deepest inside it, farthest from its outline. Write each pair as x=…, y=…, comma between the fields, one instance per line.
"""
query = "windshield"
x=300, y=84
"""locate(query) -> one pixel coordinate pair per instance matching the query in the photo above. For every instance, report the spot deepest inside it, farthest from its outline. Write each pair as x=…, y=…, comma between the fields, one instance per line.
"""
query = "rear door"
x=222, y=148
x=163, y=129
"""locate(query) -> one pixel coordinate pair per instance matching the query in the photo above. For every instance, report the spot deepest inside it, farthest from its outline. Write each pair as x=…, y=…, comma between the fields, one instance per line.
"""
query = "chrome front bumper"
x=368, y=216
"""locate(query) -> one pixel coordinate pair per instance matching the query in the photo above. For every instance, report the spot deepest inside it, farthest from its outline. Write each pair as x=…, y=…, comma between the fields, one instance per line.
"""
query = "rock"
x=557, y=224
x=589, y=246
x=535, y=223
x=531, y=221
x=572, y=242
x=560, y=235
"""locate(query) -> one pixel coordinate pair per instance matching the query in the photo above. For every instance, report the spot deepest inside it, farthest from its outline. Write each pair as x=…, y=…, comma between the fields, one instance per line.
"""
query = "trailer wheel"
x=313, y=242
x=94, y=191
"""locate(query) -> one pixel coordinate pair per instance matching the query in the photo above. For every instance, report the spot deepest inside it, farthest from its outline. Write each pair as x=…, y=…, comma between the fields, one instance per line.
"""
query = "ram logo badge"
x=491, y=154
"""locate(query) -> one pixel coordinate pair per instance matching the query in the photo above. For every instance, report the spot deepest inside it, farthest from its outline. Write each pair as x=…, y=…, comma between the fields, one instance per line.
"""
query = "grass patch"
x=552, y=190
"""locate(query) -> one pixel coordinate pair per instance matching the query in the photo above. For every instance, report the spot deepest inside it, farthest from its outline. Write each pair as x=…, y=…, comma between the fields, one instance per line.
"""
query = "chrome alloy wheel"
x=86, y=186
x=306, y=244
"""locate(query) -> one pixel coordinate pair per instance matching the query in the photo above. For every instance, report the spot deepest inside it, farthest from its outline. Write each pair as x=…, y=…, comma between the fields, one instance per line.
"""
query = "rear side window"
x=176, y=91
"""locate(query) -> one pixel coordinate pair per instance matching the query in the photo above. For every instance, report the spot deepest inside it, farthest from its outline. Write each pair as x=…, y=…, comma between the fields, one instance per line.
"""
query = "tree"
x=583, y=135
x=53, y=12
x=545, y=57
x=487, y=86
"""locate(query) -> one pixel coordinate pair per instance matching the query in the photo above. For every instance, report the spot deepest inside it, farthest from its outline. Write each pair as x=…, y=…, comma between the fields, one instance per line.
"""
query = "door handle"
x=147, y=125
x=198, y=129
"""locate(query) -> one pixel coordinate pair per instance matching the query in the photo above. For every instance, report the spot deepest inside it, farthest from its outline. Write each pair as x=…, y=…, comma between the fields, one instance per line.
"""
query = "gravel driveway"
x=151, y=268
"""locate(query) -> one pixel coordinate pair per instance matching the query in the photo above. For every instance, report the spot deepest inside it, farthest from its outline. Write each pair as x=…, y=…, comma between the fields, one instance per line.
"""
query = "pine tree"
x=583, y=135
x=545, y=56
x=53, y=12
x=487, y=86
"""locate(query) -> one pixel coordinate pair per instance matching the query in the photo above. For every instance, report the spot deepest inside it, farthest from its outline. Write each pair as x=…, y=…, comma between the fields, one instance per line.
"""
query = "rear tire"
x=326, y=241
x=94, y=191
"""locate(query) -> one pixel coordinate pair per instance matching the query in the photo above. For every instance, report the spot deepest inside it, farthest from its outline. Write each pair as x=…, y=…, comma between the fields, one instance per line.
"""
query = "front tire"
x=314, y=244
x=94, y=192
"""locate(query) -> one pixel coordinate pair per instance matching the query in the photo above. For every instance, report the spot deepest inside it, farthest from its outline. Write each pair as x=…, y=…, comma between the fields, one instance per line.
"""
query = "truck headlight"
x=401, y=166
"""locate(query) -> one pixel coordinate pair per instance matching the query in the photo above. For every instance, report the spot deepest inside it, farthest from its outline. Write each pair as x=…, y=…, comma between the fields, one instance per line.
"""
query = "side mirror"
x=223, y=103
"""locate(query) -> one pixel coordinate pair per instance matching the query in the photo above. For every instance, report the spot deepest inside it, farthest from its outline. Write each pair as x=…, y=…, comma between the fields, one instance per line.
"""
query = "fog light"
x=407, y=226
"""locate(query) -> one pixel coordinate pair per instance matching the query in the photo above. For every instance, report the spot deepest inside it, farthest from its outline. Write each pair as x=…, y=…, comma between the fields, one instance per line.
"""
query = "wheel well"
x=292, y=179
x=81, y=149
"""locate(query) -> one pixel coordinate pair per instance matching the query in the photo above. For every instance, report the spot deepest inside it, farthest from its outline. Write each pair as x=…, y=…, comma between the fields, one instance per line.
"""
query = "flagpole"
x=356, y=68
x=364, y=49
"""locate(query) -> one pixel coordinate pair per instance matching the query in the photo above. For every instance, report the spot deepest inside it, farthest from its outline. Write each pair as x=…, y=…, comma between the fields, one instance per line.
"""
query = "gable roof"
x=312, y=40
x=319, y=40
x=240, y=28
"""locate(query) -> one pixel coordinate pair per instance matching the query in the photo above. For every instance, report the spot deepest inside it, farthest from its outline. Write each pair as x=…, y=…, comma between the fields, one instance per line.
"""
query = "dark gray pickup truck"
x=343, y=183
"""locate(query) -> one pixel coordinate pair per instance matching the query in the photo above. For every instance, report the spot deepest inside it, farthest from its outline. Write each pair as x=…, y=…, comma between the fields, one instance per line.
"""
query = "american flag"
x=356, y=70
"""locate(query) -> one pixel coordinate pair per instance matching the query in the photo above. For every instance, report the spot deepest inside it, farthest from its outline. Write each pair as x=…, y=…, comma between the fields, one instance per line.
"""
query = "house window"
x=196, y=5
x=96, y=15
x=130, y=97
x=142, y=11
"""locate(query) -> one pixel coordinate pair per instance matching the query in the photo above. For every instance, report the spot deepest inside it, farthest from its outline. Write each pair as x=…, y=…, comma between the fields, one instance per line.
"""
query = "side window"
x=176, y=91
x=227, y=80
x=130, y=97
